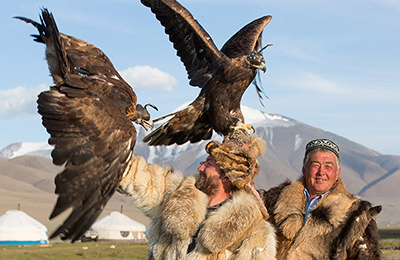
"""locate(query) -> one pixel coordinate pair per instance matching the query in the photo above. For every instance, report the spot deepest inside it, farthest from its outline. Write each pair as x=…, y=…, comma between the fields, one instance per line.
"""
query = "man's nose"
x=201, y=168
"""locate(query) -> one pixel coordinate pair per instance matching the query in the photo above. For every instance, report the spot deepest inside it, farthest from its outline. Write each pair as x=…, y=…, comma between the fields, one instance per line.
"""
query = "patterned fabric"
x=322, y=143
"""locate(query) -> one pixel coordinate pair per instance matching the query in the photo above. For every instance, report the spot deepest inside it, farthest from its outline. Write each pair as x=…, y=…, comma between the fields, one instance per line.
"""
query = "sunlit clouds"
x=146, y=77
x=19, y=101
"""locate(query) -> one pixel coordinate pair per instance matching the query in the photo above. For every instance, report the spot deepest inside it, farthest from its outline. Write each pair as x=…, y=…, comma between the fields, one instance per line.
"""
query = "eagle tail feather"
x=49, y=35
x=189, y=124
x=80, y=219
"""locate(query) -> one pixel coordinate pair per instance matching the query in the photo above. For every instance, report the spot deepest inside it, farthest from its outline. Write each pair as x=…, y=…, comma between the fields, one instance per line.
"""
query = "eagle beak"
x=147, y=124
x=261, y=67
x=264, y=68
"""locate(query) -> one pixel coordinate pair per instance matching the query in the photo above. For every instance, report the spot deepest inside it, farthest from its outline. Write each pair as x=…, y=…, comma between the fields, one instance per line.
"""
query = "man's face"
x=210, y=176
x=321, y=171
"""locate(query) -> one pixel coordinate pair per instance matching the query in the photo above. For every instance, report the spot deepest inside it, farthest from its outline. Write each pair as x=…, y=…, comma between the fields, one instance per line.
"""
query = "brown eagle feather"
x=88, y=114
x=223, y=75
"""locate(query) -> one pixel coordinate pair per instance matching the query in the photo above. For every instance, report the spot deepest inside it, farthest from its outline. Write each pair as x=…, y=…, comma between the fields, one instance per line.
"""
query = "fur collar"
x=328, y=214
x=186, y=210
x=230, y=221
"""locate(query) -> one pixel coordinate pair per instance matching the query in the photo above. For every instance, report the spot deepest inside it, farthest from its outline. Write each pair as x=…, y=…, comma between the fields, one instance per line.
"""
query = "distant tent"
x=18, y=228
x=117, y=226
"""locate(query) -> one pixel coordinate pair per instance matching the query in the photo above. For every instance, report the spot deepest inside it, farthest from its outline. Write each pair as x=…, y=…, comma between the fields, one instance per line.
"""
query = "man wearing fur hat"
x=316, y=217
x=216, y=215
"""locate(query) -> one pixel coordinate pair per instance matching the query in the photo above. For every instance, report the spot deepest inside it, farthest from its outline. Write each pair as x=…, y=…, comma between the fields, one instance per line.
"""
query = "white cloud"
x=19, y=101
x=22, y=101
x=146, y=77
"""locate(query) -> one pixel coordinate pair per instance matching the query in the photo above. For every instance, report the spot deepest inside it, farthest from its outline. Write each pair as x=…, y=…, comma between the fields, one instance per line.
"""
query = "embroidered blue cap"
x=324, y=144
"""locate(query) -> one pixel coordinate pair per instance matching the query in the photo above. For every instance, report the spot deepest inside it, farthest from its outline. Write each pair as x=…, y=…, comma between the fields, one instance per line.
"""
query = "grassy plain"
x=389, y=243
x=68, y=251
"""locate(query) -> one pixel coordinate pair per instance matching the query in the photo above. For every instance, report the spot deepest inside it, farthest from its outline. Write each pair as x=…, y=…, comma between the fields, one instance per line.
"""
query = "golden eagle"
x=88, y=114
x=223, y=75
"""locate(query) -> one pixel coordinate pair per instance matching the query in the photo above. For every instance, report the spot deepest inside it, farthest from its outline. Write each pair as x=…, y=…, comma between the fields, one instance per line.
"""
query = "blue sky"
x=333, y=65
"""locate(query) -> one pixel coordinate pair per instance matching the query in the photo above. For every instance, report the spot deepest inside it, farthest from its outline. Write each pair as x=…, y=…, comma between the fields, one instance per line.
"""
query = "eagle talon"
x=243, y=127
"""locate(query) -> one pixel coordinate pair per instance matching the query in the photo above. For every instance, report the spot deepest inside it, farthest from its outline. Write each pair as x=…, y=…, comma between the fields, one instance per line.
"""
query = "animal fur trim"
x=339, y=227
x=238, y=160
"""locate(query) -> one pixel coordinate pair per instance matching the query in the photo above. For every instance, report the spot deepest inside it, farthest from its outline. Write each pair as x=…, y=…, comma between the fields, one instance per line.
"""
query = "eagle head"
x=142, y=116
x=257, y=60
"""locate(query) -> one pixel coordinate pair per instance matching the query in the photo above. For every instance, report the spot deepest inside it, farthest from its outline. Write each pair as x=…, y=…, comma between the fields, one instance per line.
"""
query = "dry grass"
x=68, y=251
x=389, y=243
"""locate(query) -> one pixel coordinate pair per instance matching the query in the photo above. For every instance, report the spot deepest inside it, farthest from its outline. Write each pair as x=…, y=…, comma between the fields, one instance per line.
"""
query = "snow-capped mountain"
x=252, y=116
x=172, y=155
x=367, y=173
x=19, y=149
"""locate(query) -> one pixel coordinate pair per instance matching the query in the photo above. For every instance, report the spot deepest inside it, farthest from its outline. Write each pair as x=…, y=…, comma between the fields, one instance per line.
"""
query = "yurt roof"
x=118, y=221
x=19, y=220
x=18, y=228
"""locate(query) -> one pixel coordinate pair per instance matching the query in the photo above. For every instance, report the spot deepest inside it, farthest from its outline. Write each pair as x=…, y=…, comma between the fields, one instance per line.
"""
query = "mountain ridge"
x=366, y=173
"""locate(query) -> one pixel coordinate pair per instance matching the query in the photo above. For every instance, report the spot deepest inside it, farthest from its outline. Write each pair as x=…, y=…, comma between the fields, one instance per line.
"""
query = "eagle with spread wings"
x=88, y=114
x=223, y=75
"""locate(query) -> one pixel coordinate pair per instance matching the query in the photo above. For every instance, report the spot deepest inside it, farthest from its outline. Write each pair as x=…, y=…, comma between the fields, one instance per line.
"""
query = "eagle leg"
x=244, y=127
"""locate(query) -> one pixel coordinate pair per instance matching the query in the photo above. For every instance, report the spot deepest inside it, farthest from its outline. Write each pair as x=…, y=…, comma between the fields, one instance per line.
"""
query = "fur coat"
x=177, y=209
x=340, y=226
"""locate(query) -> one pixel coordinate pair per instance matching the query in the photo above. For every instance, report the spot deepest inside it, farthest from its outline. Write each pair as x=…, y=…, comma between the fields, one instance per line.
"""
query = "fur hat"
x=237, y=156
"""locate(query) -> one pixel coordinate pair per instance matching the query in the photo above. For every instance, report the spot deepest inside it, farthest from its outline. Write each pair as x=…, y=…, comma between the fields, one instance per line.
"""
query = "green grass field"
x=389, y=243
x=68, y=251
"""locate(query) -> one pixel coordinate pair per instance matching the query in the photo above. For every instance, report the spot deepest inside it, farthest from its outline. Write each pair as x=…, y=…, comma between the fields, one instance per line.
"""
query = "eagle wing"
x=223, y=75
x=194, y=46
x=189, y=124
x=247, y=39
x=85, y=114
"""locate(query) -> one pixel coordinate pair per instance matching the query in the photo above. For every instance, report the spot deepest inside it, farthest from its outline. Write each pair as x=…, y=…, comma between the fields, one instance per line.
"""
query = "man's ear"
x=338, y=173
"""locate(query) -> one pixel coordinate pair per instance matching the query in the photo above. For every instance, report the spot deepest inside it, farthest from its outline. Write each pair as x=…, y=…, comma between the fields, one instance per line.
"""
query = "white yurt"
x=117, y=226
x=18, y=228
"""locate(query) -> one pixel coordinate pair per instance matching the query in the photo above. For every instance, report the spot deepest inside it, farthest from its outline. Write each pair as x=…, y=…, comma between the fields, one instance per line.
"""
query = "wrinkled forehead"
x=211, y=162
x=210, y=159
x=323, y=156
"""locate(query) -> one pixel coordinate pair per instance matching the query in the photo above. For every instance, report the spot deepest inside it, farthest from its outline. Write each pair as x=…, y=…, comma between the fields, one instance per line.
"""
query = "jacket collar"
x=327, y=214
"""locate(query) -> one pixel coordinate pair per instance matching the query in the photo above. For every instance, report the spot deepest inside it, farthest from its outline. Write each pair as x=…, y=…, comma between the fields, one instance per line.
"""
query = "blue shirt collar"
x=310, y=204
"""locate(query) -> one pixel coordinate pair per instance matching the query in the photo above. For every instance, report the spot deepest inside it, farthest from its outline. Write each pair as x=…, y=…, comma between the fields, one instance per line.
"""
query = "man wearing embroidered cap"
x=316, y=217
x=321, y=169
x=217, y=215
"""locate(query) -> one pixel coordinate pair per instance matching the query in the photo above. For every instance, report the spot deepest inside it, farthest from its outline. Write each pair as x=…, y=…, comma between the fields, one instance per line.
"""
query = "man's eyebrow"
x=315, y=162
x=328, y=162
